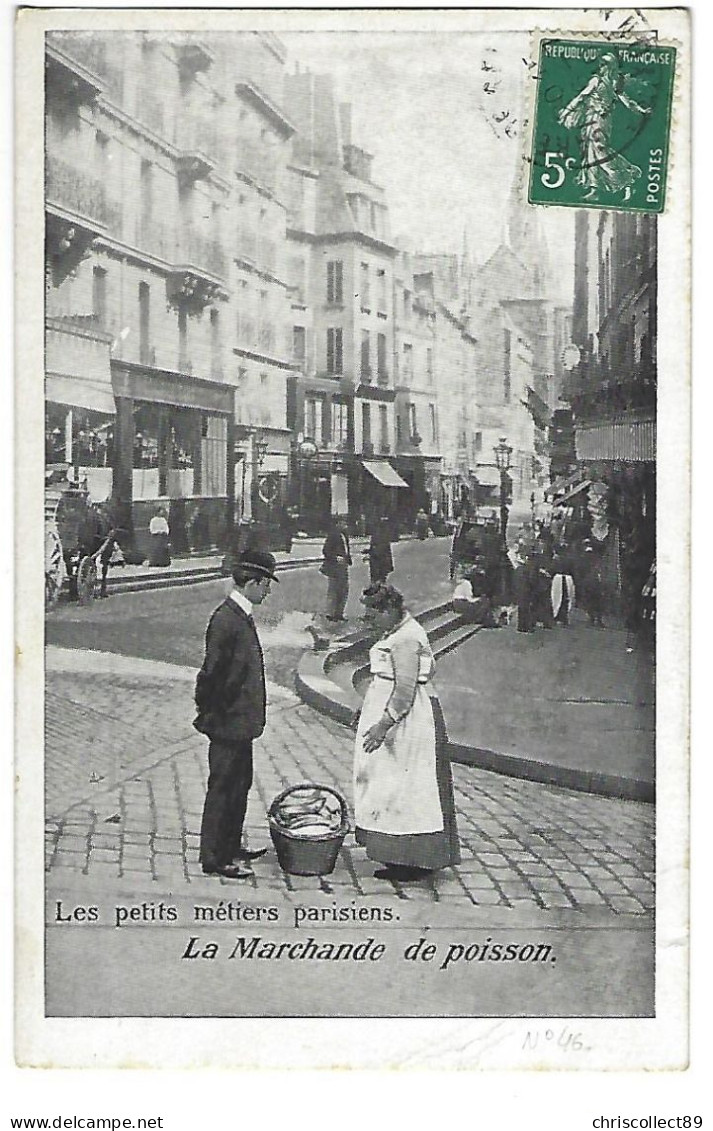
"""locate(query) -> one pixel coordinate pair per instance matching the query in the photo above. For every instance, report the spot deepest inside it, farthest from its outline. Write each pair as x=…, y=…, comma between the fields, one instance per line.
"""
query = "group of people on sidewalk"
x=403, y=793
x=550, y=577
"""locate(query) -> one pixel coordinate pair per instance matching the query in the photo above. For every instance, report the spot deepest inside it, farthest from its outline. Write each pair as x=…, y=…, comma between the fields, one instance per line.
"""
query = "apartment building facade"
x=443, y=284
x=341, y=263
x=417, y=455
x=613, y=388
x=163, y=178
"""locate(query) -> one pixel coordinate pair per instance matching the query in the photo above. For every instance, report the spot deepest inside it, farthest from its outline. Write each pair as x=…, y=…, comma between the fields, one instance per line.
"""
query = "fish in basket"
x=308, y=824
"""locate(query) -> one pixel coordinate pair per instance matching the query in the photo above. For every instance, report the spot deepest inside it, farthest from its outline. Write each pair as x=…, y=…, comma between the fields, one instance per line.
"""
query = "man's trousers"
x=229, y=781
x=337, y=593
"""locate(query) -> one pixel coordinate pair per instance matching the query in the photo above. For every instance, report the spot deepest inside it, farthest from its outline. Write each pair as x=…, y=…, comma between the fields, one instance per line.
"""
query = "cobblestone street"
x=126, y=778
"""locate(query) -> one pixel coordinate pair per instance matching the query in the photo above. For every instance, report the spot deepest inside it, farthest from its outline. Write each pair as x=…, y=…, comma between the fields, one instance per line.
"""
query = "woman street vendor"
x=160, y=551
x=403, y=790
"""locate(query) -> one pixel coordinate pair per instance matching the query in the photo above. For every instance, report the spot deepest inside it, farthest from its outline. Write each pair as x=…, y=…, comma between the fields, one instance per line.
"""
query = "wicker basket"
x=307, y=855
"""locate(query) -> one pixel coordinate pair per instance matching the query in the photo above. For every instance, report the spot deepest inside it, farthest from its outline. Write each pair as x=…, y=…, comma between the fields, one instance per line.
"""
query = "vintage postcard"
x=354, y=694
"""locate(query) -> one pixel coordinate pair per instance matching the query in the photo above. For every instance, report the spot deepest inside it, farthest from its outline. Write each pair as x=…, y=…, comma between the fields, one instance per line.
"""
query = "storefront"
x=618, y=456
x=79, y=404
x=173, y=449
x=375, y=490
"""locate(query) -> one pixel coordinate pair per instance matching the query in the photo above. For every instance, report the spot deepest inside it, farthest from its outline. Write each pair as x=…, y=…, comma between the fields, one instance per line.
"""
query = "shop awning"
x=571, y=494
x=76, y=392
x=383, y=472
x=487, y=475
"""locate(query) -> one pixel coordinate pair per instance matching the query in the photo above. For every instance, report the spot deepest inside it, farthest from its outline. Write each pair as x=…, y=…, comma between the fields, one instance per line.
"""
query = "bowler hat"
x=260, y=563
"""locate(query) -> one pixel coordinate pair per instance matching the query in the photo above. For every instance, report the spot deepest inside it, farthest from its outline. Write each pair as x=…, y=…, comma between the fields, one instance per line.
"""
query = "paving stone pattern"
x=126, y=777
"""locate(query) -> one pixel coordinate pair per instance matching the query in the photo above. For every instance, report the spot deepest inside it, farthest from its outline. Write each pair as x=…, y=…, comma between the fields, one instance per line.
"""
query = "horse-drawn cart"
x=75, y=540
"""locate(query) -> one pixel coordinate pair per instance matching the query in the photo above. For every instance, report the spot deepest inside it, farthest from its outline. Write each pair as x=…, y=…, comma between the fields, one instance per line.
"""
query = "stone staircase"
x=331, y=681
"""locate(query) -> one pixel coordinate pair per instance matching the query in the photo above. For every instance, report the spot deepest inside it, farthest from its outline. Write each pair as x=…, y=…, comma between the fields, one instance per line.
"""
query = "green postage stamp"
x=601, y=124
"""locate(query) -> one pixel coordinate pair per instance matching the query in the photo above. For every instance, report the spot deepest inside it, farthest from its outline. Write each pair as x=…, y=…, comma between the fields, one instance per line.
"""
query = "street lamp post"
x=503, y=454
x=260, y=446
x=306, y=450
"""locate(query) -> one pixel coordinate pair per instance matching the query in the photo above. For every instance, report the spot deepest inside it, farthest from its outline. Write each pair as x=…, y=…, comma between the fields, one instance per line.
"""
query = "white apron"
x=395, y=787
x=561, y=582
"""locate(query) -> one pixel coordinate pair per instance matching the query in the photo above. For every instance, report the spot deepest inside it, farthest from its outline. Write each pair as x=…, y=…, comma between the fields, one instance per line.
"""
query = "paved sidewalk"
x=126, y=777
x=579, y=700
x=303, y=549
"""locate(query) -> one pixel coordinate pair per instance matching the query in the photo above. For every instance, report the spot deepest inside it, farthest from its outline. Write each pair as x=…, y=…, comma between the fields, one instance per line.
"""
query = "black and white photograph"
x=346, y=701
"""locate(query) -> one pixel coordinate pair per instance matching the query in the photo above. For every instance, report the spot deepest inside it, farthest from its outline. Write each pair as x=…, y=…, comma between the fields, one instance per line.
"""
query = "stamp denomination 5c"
x=601, y=124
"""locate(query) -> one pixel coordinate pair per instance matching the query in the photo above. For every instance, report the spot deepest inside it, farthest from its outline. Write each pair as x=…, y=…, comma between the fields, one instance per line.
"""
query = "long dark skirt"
x=422, y=850
x=160, y=551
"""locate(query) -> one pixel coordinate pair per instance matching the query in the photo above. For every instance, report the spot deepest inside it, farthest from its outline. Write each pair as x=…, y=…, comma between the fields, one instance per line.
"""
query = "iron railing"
x=76, y=191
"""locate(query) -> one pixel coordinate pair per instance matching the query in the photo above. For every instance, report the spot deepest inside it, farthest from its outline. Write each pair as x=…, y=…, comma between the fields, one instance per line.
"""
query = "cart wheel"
x=86, y=580
x=54, y=568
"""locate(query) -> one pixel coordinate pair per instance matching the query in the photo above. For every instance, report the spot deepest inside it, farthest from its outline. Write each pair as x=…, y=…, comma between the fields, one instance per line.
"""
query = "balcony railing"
x=197, y=251
x=77, y=192
x=595, y=392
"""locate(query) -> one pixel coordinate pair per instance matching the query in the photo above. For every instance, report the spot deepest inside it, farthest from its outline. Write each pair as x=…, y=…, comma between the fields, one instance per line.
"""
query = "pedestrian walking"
x=335, y=567
x=422, y=524
x=591, y=586
x=160, y=551
x=403, y=790
x=562, y=592
x=230, y=698
x=526, y=588
x=381, y=560
x=542, y=603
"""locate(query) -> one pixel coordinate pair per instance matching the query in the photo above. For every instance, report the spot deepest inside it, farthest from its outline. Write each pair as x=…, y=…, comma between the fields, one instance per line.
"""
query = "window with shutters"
x=364, y=286
x=366, y=426
x=313, y=418
x=365, y=357
x=298, y=343
x=334, y=351
x=99, y=295
x=381, y=295
x=408, y=362
x=335, y=282
x=339, y=422
x=382, y=368
x=383, y=428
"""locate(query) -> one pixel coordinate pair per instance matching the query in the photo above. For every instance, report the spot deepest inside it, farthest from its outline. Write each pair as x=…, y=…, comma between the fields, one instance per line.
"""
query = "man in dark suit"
x=230, y=697
x=337, y=559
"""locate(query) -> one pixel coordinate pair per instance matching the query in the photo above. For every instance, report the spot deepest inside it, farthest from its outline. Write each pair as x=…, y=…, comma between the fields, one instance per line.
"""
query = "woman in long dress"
x=403, y=790
x=160, y=551
x=591, y=112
